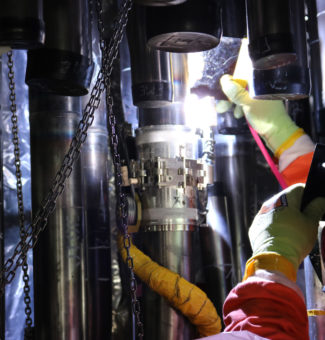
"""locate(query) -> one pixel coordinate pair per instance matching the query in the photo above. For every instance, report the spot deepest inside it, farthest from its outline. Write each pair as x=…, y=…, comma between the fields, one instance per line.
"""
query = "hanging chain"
x=20, y=199
x=39, y=222
x=121, y=203
x=121, y=199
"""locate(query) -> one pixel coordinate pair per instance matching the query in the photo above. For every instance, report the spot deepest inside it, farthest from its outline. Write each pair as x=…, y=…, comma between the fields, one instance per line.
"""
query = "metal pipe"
x=235, y=168
x=21, y=24
x=316, y=39
x=59, y=290
x=173, y=250
x=158, y=77
x=94, y=160
x=169, y=217
x=289, y=81
x=64, y=66
x=216, y=249
x=270, y=39
x=233, y=18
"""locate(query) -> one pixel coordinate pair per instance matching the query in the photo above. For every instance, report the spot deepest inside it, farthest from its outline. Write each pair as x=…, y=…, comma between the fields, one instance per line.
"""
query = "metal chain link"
x=39, y=222
x=121, y=199
x=19, y=186
x=121, y=203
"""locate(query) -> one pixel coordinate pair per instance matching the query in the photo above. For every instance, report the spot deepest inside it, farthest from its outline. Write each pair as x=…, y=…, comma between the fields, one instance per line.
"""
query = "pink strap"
x=268, y=158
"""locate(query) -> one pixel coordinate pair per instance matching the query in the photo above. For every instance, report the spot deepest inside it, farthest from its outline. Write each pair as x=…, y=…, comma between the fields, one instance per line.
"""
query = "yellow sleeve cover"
x=190, y=300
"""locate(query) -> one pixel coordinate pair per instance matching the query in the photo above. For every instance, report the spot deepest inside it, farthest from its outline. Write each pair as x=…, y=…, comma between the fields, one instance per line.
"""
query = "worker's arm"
x=289, y=144
x=268, y=302
x=269, y=305
x=294, y=164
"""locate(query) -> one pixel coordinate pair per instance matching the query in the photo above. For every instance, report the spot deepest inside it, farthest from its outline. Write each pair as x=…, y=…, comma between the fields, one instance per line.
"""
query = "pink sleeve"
x=268, y=309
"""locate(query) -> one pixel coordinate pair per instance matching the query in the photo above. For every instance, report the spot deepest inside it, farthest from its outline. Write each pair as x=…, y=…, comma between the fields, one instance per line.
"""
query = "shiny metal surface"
x=216, y=248
x=59, y=254
x=170, y=205
x=166, y=141
x=174, y=250
x=169, y=219
x=235, y=168
x=94, y=164
x=158, y=78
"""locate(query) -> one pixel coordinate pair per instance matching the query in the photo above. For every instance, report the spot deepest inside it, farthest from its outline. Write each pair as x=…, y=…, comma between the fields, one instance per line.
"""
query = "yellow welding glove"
x=281, y=235
x=268, y=117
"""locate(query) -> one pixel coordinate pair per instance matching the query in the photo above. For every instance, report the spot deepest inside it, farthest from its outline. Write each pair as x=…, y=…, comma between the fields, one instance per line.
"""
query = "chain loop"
x=47, y=206
x=19, y=186
x=30, y=235
x=108, y=49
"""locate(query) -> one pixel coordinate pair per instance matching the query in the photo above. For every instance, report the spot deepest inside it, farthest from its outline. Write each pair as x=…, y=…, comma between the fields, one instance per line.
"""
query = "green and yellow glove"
x=281, y=235
x=268, y=117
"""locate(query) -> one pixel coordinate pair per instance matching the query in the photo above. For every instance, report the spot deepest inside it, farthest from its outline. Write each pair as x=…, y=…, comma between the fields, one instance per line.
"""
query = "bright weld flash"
x=200, y=113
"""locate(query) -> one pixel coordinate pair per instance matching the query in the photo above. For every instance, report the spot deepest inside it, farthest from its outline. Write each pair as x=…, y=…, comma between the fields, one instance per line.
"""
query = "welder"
x=268, y=303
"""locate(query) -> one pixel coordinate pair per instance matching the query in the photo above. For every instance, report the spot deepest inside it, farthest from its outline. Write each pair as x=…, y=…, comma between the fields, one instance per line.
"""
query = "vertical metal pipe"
x=58, y=257
x=172, y=249
x=21, y=24
x=289, y=81
x=233, y=18
x=316, y=39
x=270, y=38
x=215, y=240
x=64, y=66
x=94, y=159
x=235, y=167
x=169, y=218
x=157, y=78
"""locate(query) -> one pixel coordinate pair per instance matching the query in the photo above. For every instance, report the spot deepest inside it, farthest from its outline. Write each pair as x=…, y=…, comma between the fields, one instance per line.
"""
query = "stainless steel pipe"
x=59, y=287
x=158, y=78
x=216, y=247
x=94, y=164
x=170, y=216
x=235, y=167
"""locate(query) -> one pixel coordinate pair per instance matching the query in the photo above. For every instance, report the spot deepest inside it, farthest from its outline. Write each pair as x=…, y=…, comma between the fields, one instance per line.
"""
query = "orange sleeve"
x=297, y=171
